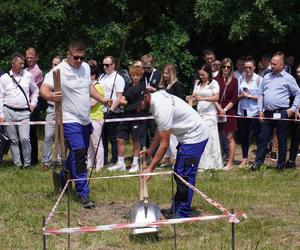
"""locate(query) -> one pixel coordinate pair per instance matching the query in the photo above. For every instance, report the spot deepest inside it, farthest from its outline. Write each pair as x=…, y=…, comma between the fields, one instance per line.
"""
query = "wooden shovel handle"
x=144, y=166
x=59, y=129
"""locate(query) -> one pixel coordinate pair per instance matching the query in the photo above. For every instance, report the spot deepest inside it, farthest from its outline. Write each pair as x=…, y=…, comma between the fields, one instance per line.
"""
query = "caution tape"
x=53, y=210
x=90, y=229
x=141, y=118
x=217, y=205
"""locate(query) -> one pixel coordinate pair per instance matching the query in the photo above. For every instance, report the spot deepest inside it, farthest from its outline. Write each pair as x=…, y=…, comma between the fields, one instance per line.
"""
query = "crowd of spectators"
x=245, y=100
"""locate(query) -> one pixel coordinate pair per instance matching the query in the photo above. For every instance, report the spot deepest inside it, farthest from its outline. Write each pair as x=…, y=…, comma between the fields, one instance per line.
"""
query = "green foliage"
x=171, y=41
x=264, y=19
x=173, y=31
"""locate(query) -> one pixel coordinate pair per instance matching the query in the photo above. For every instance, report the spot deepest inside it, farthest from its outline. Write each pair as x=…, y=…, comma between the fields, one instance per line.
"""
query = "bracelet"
x=225, y=109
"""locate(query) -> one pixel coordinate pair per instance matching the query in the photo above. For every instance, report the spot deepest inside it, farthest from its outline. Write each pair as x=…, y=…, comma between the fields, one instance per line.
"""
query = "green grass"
x=270, y=199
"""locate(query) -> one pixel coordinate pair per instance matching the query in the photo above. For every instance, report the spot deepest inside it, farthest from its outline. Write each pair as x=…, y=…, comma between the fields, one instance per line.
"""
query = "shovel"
x=143, y=211
x=59, y=139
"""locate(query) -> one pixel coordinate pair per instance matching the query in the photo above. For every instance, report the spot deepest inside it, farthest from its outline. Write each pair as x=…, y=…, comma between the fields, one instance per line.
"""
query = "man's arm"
x=47, y=93
x=34, y=94
x=94, y=93
x=1, y=103
x=163, y=138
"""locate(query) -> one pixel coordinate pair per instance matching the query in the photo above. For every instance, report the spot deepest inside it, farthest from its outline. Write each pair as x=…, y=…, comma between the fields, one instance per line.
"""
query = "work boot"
x=167, y=213
x=86, y=202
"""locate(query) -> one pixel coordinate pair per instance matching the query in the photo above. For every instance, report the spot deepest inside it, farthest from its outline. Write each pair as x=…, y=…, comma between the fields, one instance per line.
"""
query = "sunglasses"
x=76, y=58
x=226, y=67
x=147, y=67
x=106, y=65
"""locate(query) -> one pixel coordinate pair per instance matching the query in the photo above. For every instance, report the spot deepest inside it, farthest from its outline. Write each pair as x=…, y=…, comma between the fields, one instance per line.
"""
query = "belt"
x=276, y=110
x=16, y=109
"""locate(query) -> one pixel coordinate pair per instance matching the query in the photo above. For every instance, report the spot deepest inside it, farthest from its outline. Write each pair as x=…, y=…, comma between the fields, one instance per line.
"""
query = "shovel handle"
x=145, y=188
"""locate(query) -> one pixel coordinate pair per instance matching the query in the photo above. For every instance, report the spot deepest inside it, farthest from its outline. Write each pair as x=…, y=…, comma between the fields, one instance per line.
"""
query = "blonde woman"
x=170, y=83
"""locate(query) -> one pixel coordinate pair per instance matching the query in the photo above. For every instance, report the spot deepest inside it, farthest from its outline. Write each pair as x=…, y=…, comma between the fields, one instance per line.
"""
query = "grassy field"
x=270, y=199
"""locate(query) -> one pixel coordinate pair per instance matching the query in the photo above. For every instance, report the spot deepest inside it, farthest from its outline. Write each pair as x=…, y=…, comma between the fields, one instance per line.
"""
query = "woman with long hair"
x=227, y=105
x=206, y=93
x=170, y=83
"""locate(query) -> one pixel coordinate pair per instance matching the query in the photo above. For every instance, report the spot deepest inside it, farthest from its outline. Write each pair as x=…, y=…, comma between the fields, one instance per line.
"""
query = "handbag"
x=4, y=144
x=222, y=119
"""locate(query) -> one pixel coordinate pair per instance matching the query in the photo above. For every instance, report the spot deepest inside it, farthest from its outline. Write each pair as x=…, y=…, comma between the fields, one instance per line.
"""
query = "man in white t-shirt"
x=174, y=116
x=113, y=85
x=75, y=96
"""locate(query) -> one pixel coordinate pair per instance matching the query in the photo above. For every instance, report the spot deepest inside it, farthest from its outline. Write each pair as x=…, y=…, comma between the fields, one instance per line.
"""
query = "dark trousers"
x=148, y=128
x=295, y=140
x=265, y=136
x=1, y=152
x=247, y=125
x=109, y=134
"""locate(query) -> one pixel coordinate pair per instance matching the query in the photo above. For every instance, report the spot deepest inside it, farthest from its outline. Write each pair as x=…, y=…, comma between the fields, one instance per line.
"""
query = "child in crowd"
x=131, y=99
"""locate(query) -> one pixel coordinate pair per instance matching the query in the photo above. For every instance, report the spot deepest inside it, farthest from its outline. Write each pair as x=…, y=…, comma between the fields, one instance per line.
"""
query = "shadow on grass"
x=144, y=238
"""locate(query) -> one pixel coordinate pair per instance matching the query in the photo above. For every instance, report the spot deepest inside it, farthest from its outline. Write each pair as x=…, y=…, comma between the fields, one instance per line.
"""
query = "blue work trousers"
x=187, y=161
x=77, y=138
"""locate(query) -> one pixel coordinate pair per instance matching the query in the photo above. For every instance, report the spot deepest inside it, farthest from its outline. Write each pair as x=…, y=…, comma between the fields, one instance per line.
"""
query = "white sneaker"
x=134, y=168
x=117, y=167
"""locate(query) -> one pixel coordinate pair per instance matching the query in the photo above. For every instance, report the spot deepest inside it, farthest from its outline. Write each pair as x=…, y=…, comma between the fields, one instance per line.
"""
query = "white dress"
x=211, y=157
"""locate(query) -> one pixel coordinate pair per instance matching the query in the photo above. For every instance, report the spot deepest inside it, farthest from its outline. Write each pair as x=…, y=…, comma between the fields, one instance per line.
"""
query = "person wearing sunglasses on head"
x=77, y=87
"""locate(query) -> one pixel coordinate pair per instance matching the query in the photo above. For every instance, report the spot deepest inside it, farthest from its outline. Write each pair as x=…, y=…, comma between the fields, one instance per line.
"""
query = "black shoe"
x=167, y=213
x=279, y=168
x=290, y=164
x=255, y=167
x=273, y=156
x=86, y=202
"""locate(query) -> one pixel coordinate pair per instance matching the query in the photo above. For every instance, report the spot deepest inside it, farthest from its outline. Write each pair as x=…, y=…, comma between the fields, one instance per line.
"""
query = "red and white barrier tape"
x=124, y=176
x=53, y=210
x=217, y=205
x=50, y=216
x=90, y=229
x=138, y=119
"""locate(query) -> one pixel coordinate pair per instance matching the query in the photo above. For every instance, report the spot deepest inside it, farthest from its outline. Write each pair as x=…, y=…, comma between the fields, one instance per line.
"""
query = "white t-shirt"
x=107, y=82
x=170, y=112
x=75, y=85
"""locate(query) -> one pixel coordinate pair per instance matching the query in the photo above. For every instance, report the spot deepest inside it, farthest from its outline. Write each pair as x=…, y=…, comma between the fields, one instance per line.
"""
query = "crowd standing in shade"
x=248, y=100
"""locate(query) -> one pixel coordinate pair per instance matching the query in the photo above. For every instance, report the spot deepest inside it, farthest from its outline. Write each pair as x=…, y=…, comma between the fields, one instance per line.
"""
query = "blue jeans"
x=77, y=138
x=187, y=161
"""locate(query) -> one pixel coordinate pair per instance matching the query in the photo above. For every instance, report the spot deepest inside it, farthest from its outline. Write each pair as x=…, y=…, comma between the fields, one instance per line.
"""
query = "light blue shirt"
x=275, y=91
x=252, y=88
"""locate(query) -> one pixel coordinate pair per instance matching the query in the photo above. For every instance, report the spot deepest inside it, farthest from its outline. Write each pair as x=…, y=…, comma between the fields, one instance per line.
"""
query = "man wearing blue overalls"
x=173, y=116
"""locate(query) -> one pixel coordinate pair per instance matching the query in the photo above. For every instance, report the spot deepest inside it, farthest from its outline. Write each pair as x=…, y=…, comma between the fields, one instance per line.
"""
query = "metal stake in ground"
x=232, y=232
x=173, y=202
x=43, y=235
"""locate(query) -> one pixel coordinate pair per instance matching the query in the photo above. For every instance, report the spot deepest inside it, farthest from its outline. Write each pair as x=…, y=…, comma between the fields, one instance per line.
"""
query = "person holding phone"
x=247, y=107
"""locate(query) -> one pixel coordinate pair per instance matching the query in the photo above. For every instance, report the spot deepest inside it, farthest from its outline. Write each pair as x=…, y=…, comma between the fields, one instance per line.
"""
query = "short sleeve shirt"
x=75, y=85
x=171, y=112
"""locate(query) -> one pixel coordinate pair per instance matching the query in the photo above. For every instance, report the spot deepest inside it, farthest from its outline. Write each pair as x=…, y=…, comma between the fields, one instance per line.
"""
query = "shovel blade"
x=139, y=215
